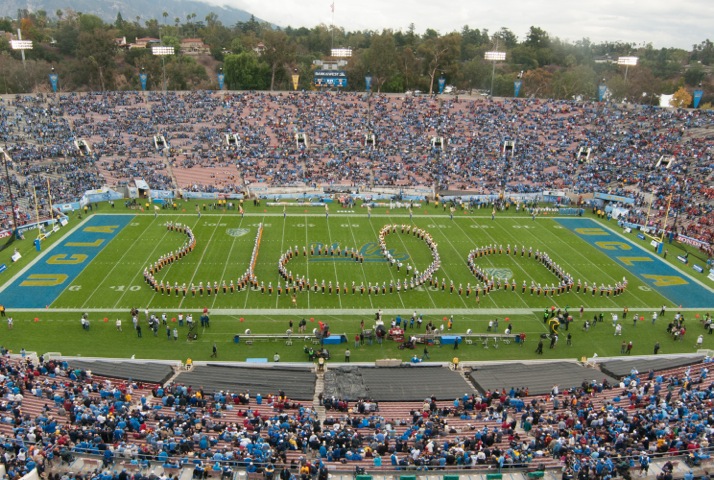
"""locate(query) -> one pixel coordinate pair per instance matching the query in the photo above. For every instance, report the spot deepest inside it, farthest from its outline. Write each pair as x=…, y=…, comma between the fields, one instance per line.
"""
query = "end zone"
x=673, y=284
x=46, y=279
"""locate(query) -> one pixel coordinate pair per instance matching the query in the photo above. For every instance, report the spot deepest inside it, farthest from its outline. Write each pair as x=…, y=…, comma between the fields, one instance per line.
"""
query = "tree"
x=438, y=53
x=90, y=23
x=505, y=37
x=67, y=36
x=380, y=59
x=277, y=53
x=471, y=42
x=410, y=66
x=694, y=75
x=538, y=82
x=99, y=49
x=244, y=71
x=704, y=52
x=681, y=98
x=575, y=82
x=476, y=74
x=537, y=38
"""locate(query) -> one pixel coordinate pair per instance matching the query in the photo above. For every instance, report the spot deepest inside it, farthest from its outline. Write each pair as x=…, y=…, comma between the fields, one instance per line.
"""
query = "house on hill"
x=194, y=46
x=146, y=42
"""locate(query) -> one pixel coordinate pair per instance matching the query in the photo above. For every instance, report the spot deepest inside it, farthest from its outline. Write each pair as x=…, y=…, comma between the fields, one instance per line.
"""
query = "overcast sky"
x=664, y=23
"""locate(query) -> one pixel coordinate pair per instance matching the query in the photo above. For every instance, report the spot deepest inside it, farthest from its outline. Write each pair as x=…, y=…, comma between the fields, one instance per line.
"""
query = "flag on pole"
x=332, y=7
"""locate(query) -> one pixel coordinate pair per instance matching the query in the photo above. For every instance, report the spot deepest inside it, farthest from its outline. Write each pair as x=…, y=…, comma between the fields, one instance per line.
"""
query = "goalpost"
x=651, y=232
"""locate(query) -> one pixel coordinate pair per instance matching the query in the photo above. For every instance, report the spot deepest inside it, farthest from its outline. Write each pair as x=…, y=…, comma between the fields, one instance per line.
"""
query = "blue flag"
x=53, y=81
x=601, y=90
x=698, y=94
x=442, y=84
x=368, y=83
x=142, y=78
x=517, y=87
x=221, y=80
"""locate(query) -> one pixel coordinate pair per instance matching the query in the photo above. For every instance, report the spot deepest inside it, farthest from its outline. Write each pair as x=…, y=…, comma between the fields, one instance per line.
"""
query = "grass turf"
x=113, y=283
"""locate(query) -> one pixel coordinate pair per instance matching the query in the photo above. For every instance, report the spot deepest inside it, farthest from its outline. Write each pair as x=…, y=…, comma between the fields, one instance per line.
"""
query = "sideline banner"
x=162, y=194
x=199, y=195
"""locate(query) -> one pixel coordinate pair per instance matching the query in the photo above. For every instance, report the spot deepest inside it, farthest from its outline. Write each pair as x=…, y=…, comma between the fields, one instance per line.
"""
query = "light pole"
x=5, y=158
x=494, y=56
x=21, y=45
x=162, y=52
x=627, y=62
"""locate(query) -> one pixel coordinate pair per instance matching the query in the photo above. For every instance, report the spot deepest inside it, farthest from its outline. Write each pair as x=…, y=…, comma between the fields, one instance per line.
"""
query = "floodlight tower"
x=494, y=56
x=162, y=52
x=5, y=160
x=21, y=45
x=627, y=62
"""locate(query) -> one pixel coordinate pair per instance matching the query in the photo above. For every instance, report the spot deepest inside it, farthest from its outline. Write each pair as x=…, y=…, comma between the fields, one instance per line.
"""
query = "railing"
x=147, y=462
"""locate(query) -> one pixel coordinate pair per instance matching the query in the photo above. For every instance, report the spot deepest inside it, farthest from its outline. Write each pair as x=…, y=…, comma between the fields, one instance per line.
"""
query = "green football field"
x=341, y=249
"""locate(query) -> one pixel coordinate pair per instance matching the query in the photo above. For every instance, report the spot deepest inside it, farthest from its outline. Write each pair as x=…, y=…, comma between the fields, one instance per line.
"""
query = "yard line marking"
x=334, y=264
x=248, y=290
x=525, y=272
x=200, y=260
x=391, y=272
x=364, y=275
x=225, y=264
x=457, y=256
x=580, y=254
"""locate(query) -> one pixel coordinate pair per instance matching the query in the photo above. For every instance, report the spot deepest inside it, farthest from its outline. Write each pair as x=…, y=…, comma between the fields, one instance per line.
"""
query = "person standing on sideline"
x=656, y=348
x=9, y=323
x=175, y=333
x=118, y=324
x=661, y=312
x=138, y=330
x=539, y=349
x=215, y=351
x=2, y=310
x=347, y=355
x=569, y=340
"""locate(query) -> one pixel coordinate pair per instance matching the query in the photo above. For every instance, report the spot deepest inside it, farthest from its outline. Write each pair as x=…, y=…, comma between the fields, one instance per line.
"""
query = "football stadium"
x=313, y=284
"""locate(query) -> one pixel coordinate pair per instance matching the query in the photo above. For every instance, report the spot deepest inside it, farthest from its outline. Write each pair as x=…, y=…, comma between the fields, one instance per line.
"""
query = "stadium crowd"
x=51, y=412
x=626, y=145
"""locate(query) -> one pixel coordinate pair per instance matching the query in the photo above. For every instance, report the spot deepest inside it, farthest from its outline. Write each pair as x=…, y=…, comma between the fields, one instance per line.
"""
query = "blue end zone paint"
x=660, y=276
x=42, y=283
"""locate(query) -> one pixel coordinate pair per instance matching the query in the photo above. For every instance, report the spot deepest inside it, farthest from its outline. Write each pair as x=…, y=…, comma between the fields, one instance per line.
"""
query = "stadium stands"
x=624, y=141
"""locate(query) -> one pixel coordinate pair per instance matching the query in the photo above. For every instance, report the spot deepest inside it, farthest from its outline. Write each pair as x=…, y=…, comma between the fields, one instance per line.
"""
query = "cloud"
x=661, y=23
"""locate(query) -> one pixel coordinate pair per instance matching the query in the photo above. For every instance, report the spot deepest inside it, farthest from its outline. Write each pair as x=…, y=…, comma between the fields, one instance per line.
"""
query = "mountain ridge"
x=130, y=9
